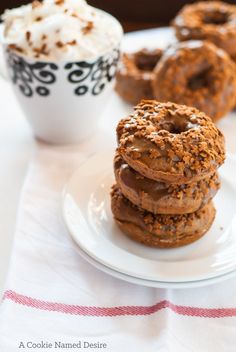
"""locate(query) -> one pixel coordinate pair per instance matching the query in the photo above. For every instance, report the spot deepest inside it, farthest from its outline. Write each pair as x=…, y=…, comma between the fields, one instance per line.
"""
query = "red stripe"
x=118, y=311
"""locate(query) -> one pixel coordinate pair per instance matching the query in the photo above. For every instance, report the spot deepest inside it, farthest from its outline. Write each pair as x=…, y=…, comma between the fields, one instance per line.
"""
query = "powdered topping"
x=70, y=29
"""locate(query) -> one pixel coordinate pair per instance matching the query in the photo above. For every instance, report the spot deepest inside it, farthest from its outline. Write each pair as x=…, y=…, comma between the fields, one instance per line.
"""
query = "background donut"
x=135, y=74
x=208, y=20
x=197, y=73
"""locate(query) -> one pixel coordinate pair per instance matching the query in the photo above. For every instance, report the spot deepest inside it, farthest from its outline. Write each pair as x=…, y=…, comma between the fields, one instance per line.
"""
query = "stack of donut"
x=198, y=71
x=166, y=174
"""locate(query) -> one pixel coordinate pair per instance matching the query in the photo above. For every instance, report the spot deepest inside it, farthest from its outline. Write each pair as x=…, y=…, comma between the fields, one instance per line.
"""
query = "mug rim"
x=63, y=62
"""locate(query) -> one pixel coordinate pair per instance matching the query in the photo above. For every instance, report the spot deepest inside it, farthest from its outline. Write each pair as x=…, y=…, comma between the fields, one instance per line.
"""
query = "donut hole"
x=216, y=18
x=177, y=125
x=199, y=80
x=176, y=130
x=146, y=60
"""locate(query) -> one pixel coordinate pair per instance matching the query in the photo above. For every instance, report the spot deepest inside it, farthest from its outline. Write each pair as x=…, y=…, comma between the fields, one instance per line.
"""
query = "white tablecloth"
x=53, y=295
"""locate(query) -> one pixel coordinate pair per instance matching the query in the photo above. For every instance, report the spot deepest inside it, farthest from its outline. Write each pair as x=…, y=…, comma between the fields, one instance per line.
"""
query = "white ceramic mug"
x=62, y=101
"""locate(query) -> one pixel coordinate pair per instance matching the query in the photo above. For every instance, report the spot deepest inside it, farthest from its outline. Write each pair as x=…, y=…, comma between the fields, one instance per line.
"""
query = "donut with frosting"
x=170, y=143
x=160, y=230
x=196, y=73
x=162, y=198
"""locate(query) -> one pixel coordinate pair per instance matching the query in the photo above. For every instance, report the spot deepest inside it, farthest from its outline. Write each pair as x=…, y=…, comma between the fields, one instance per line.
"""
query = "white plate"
x=86, y=210
x=90, y=222
x=149, y=38
x=157, y=284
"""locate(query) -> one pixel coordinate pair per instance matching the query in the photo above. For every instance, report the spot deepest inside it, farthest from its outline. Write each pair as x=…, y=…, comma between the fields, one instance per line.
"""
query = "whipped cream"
x=56, y=30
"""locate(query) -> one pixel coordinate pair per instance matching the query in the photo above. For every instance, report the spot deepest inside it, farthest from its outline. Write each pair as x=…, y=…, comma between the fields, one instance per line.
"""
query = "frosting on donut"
x=170, y=142
x=160, y=197
x=159, y=230
x=209, y=20
x=199, y=74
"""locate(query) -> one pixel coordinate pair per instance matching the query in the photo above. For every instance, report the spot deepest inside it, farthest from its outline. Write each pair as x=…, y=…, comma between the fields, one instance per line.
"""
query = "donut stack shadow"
x=165, y=169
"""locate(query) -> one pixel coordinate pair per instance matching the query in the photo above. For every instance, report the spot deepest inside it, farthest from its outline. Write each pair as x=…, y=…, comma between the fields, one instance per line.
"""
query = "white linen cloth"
x=53, y=295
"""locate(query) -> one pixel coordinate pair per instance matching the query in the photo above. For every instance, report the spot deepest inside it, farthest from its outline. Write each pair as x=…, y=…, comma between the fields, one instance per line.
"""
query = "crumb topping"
x=59, y=2
x=171, y=138
x=202, y=189
x=88, y=27
x=28, y=36
x=16, y=48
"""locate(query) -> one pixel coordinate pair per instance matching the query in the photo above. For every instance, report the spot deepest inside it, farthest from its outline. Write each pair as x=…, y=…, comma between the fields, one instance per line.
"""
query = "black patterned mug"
x=62, y=101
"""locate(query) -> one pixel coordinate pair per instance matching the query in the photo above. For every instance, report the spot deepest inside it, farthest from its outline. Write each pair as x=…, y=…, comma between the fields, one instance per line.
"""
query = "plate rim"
x=150, y=283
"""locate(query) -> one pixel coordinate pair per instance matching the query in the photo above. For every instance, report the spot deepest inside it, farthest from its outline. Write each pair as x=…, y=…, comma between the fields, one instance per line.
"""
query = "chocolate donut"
x=162, y=198
x=133, y=79
x=164, y=231
x=209, y=20
x=199, y=74
x=170, y=142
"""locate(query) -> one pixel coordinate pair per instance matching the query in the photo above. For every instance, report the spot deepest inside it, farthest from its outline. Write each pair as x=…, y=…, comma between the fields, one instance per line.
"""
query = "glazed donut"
x=133, y=79
x=161, y=198
x=209, y=20
x=199, y=74
x=164, y=231
x=170, y=142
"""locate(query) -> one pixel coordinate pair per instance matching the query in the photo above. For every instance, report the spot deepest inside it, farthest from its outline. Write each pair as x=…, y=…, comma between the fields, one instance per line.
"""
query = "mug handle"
x=3, y=67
